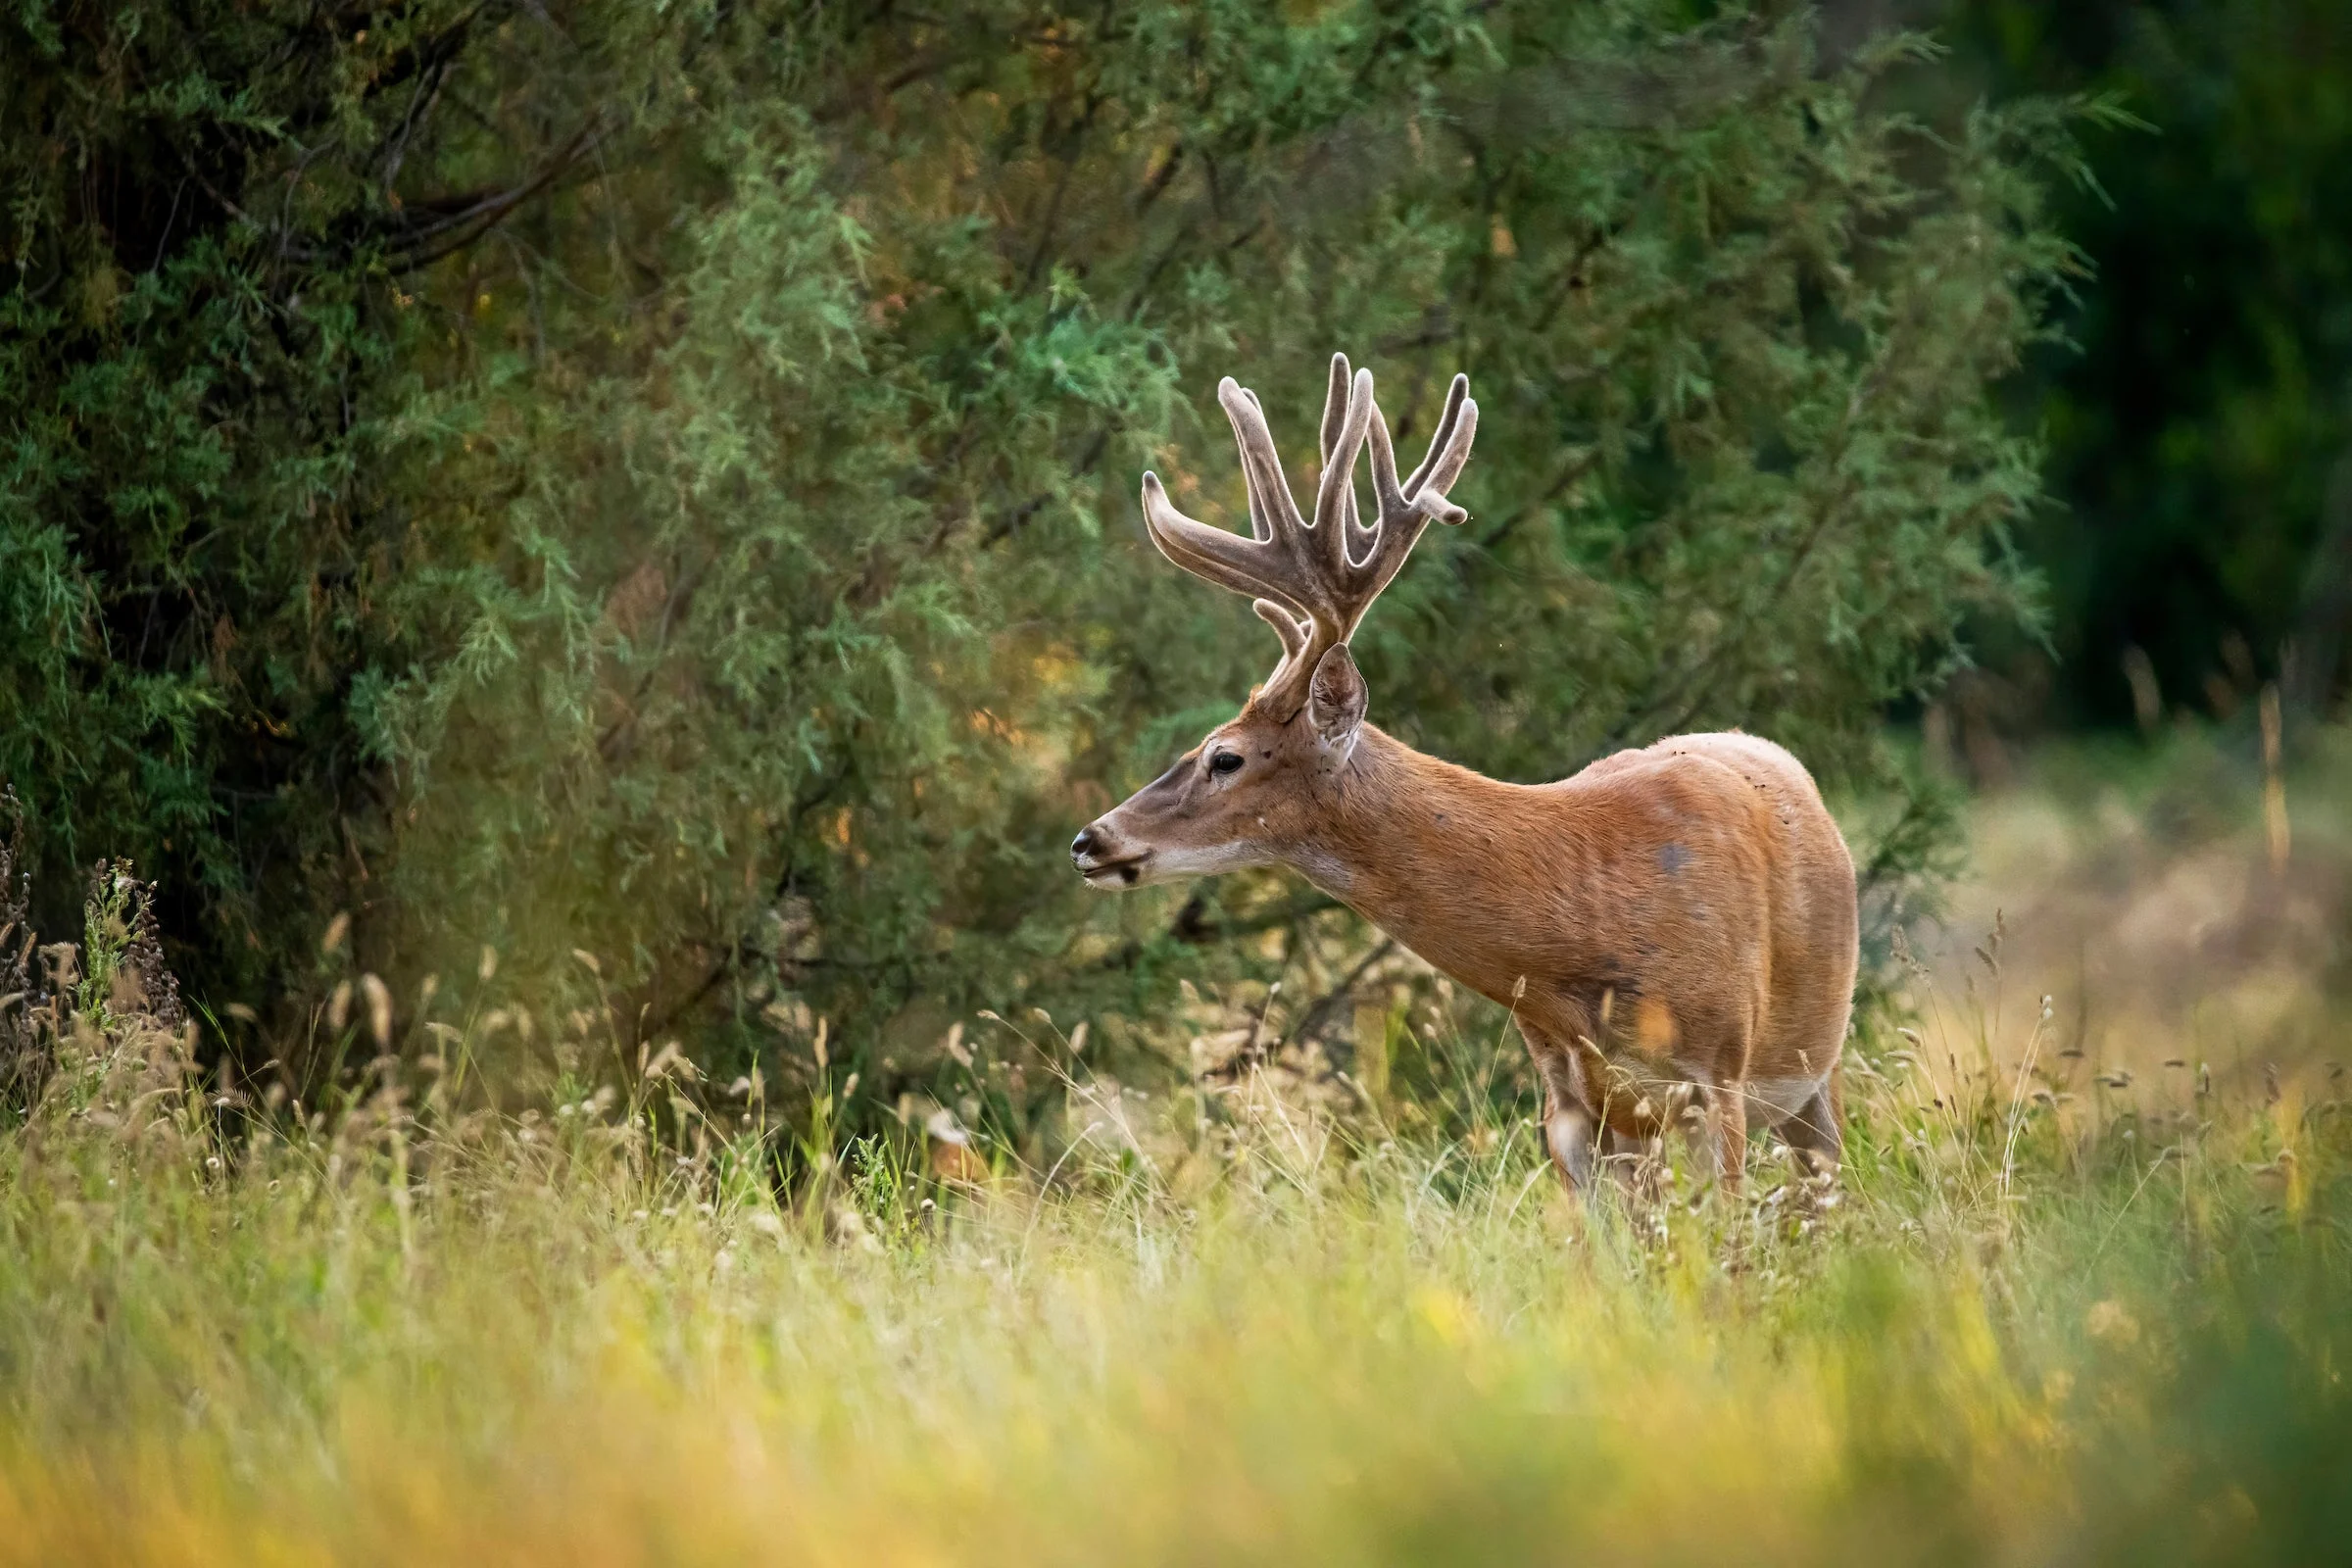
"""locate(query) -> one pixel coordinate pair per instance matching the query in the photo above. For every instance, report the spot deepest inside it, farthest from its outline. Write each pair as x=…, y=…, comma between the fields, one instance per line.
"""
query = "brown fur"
x=1682, y=916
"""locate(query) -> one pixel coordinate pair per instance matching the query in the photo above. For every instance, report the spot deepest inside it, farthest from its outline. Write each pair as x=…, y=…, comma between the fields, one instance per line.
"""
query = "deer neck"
x=1419, y=847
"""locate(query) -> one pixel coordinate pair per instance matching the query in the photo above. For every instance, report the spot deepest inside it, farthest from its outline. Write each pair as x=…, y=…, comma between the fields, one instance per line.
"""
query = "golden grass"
x=2022, y=1335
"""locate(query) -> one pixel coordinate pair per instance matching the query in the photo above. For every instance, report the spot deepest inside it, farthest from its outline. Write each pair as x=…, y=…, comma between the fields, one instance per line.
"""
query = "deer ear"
x=1335, y=699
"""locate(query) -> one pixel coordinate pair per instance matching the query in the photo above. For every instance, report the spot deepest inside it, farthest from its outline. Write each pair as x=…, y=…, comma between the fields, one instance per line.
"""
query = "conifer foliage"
x=660, y=481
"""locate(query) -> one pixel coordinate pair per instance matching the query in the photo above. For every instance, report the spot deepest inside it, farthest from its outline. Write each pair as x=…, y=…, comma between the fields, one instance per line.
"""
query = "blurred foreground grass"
x=2049, y=1318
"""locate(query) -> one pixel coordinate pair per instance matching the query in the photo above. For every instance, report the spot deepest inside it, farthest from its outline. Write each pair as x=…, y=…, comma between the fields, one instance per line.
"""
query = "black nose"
x=1083, y=845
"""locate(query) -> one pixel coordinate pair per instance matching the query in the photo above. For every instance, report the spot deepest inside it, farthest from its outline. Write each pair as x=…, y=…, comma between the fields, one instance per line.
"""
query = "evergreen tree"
x=660, y=484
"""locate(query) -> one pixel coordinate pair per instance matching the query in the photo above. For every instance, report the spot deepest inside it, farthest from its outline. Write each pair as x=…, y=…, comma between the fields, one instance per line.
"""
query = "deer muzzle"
x=1104, y=860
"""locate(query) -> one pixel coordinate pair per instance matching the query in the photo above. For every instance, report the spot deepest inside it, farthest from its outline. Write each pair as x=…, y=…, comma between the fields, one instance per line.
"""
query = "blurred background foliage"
x=638, y=502
x=2199, y=425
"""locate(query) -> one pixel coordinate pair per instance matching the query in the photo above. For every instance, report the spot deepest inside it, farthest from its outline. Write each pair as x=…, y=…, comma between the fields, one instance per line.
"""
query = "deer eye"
x=1224, y=762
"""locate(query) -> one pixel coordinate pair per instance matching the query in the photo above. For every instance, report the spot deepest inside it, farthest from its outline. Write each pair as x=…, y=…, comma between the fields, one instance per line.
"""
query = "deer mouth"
x=1124, y=873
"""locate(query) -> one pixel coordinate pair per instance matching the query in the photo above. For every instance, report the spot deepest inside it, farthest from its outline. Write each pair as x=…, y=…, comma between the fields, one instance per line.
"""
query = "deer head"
x=1248, y=795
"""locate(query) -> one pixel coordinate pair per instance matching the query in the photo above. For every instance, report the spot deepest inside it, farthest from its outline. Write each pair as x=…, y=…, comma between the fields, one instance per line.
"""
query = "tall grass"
x=2038, y=1321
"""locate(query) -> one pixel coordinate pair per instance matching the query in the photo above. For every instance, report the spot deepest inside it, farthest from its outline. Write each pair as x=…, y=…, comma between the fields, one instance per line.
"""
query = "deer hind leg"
x=1817, y=1131
x=1633, y=1161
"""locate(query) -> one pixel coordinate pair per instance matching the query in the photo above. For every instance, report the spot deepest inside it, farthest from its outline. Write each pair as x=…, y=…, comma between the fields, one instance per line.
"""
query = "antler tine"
x=1336, y=397
x=1294, y=636
x=1225, y=559
x=1406, y=511
x=1449, y=451
x=1392, y=537
x=1334, y=495
x=1290, y=573
x=1448, y=468
x=1261, y=464
x=1285, y=623
x=1262, y=515
x=1457, y=394
x=1335, y=405
x=1387, y=496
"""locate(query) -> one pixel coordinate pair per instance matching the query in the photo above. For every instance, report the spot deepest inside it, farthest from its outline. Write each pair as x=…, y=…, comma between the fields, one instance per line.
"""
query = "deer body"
x=1673, y=928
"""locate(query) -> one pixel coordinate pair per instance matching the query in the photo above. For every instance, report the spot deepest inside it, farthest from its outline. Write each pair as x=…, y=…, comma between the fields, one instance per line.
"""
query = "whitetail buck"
x=1673, y=928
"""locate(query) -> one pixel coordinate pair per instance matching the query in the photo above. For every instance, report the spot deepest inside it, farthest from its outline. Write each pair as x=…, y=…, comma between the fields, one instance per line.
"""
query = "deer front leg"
x=1569, y=1127
x=1568, y=1130
x=1635, y=1161
x=1722, y=1134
